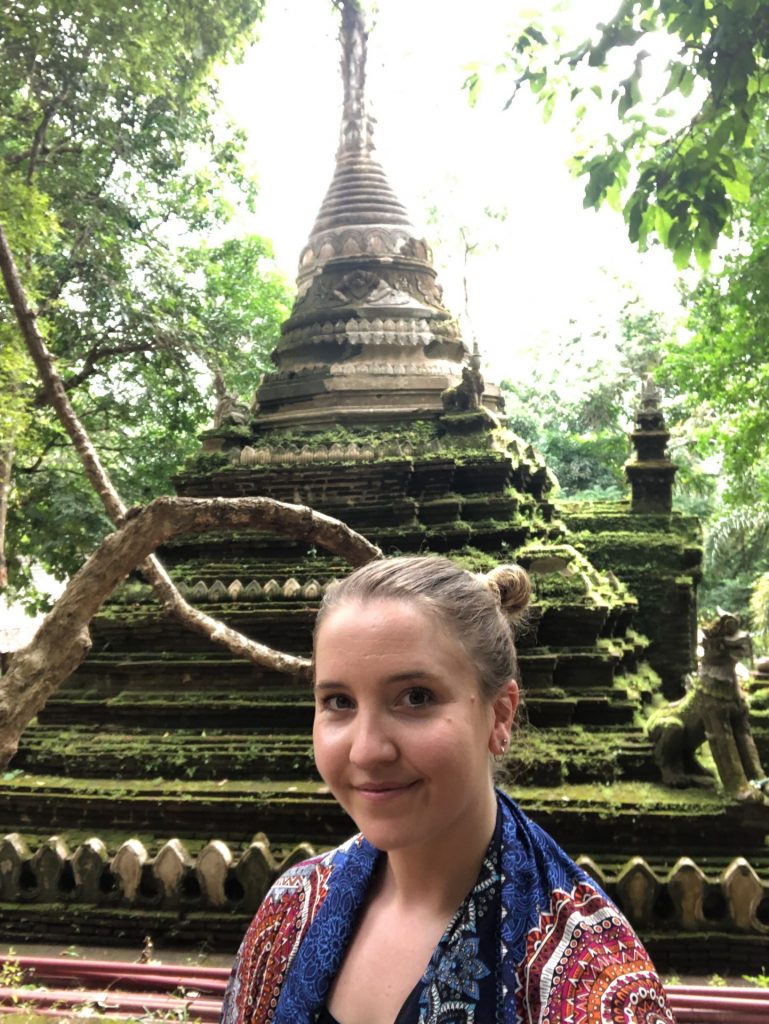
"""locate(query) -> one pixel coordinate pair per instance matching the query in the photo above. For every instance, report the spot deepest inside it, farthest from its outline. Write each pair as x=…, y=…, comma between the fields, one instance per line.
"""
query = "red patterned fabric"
x=584, y=965
x=272, y=939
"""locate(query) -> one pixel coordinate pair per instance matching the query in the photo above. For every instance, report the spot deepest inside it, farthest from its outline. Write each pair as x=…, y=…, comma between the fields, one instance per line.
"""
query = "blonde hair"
x=480, y=610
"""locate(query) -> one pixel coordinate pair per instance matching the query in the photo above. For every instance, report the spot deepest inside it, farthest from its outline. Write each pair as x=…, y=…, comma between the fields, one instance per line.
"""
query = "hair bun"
x=512, y=585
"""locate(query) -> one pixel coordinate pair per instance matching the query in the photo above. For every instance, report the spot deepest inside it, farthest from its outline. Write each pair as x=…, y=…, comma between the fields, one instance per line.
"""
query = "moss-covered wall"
x=659, y=557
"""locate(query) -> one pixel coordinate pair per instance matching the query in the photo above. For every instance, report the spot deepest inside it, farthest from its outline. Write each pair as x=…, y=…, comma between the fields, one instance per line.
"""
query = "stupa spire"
x=357, y=132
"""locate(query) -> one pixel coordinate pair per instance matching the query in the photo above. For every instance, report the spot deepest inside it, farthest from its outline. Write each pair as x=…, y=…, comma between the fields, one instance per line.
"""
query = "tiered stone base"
x=160, y=736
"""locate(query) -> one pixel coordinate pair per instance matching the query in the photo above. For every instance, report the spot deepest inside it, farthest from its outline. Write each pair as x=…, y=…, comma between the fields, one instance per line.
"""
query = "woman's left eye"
x=418, y=697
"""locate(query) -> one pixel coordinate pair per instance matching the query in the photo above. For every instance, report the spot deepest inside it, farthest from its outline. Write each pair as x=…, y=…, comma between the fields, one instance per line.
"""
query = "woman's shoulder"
x=582, y=953
x=569, y=945
x=305, y=879
x=301, y=888
x=276, y=932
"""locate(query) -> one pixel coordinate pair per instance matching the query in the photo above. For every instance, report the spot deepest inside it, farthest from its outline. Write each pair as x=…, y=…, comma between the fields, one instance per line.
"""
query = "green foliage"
x=759, y=980
x=721, y=369
x=675, y=184
x=112, y=147
x=719, y=373
x=759, y=611
x=11, y=972
x=579, y=421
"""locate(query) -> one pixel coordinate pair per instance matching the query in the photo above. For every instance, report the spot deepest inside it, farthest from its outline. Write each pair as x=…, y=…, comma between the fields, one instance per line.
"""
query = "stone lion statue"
x=229, y=411
x=467, y=396
x=714, y=709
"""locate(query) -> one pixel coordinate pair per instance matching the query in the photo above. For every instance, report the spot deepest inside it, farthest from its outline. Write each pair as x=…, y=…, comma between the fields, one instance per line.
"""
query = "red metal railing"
x=123, y=990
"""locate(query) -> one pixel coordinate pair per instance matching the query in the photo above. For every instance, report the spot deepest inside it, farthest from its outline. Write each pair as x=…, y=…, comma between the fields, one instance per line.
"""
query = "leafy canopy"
x=674, y=184
x=113, y=148
x=721, y=368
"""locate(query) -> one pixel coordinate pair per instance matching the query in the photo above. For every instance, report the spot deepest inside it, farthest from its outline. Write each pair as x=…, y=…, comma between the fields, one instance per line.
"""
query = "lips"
x=384, y=790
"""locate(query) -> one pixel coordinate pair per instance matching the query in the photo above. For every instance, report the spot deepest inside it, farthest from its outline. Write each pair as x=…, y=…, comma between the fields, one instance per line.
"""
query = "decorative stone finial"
x=651, y=472
x=357, y=132
x=229, y=411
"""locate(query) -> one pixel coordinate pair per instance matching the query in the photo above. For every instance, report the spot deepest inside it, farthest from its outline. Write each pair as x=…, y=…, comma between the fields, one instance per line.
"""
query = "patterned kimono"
x=535, y=942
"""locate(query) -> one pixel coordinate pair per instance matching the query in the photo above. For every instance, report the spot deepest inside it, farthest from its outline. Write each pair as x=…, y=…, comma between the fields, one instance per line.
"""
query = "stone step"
x=233, y=810
x=95, y=751
x=601, y=818
x=106, y=749
x=180, y=710
x=293, y=710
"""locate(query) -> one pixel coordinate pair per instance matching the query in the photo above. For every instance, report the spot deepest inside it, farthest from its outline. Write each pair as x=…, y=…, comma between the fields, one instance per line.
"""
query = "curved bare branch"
x=63, y=640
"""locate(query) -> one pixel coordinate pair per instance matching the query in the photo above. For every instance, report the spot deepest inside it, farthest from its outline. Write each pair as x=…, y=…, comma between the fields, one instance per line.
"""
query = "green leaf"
x=472, y=85
x=682, y=254
x=738, y=190
x=686, y=85
x=677, y=71
x=662, y=224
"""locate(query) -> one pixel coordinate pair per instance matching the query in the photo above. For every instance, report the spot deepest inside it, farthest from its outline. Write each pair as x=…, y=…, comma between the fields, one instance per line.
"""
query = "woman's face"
x=402, y=734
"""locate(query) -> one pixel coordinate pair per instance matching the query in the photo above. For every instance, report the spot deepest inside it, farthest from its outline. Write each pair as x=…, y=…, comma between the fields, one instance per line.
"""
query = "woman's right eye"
x=337, y=702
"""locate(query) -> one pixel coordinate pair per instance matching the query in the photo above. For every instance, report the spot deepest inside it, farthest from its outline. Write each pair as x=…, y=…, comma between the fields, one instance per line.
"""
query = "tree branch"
x=14, y=159
x=63, y=640
x=42, y=128
x=90, y=366
x=6, y=464
x=56, y=442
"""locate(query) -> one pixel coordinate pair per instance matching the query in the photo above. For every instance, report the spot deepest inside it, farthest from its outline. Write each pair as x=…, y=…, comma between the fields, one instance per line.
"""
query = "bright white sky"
x=549, y=263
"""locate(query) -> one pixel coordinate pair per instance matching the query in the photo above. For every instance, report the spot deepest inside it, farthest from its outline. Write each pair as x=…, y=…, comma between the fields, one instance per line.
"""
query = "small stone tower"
x=650, y=474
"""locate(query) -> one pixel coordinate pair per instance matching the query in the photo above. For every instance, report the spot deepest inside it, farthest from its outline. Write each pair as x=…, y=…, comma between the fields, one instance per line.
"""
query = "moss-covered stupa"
x=182, y=759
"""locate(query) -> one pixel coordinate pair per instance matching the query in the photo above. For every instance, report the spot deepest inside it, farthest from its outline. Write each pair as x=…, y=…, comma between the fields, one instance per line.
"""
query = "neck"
x=439, y=877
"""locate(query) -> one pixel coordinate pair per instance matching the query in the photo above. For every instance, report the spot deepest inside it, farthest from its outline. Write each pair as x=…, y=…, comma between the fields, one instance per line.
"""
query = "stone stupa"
x=183, y=759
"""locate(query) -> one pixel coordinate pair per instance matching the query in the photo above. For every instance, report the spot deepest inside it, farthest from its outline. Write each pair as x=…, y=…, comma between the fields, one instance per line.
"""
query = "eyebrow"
x=400, y=677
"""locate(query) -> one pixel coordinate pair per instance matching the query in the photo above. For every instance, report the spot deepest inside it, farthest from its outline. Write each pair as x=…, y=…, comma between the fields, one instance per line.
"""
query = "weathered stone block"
x=212, y=867
x=52, y=870
x=14, y=856
x=127, y=865
x=637, y=887
x=744, y=892
x=686, y=885
x=169, y=869
x=89, y=862
x=255, y=872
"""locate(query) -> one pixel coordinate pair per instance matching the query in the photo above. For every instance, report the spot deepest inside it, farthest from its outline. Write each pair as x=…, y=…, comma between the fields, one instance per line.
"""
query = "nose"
x=372, y=742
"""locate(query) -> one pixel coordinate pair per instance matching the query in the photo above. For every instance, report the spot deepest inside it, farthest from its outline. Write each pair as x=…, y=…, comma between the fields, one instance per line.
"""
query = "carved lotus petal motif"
x=312, y=590
x=217, y=592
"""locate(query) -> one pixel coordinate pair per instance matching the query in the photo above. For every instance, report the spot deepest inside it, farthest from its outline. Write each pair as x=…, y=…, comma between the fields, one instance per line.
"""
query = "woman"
x=449, y=907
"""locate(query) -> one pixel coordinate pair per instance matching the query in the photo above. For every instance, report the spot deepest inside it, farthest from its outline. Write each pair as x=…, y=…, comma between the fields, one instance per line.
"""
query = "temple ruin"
x=175, y=779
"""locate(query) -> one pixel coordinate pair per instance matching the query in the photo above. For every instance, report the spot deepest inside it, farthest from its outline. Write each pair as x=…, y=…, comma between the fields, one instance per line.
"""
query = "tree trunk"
x=170, y=598
x=6, y=463
x=63, y=640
